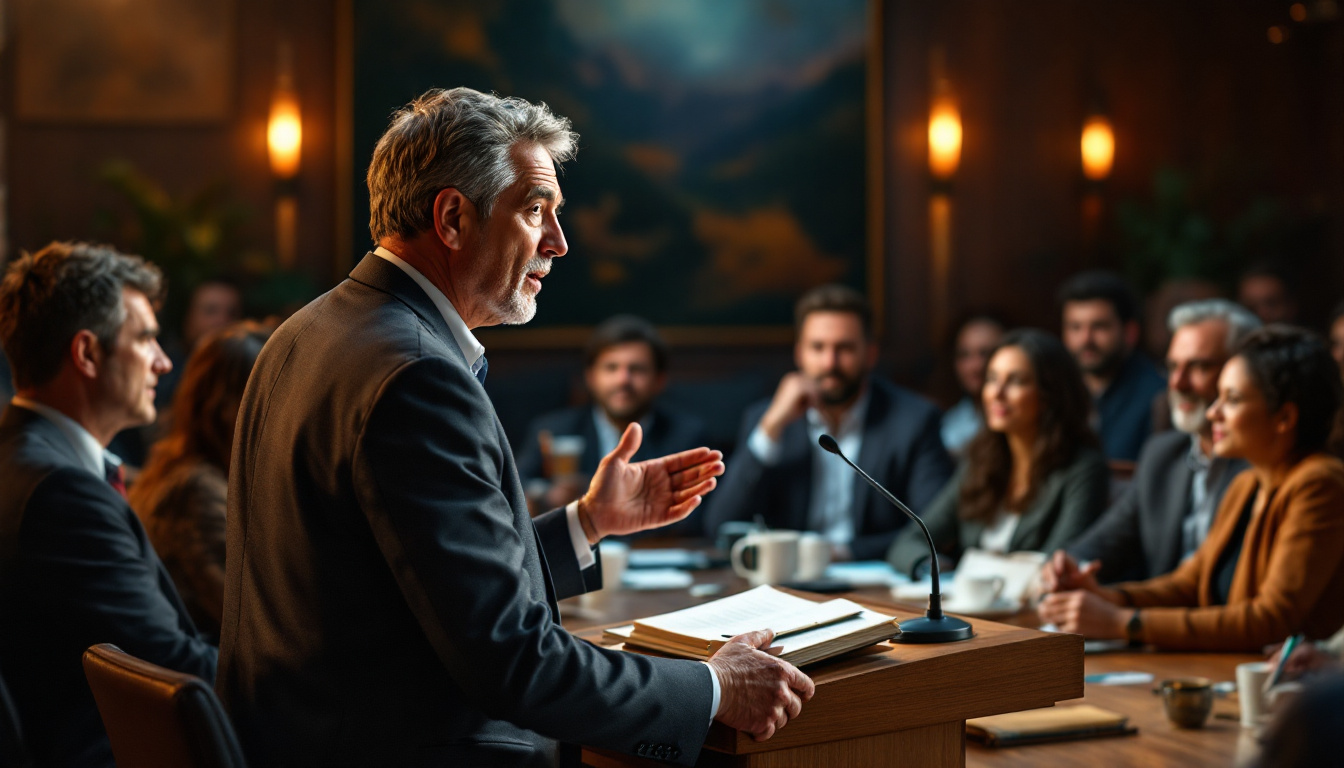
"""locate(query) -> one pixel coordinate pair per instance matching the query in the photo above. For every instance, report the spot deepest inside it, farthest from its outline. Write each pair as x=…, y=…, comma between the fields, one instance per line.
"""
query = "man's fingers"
x=630, y=441
x=759, y=638
x=697, y=473
x=678, y=511
x=678, y=462
x=1091, y=568
x=702, y=489
x=801, y=683
x=765, y=733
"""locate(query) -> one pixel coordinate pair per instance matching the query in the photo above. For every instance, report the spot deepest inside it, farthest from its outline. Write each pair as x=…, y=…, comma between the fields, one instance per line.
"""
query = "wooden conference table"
x=1221, y=742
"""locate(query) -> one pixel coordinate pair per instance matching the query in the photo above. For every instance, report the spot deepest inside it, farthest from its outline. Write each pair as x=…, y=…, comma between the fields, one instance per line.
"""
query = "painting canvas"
x=723, y=154
x=148, y=61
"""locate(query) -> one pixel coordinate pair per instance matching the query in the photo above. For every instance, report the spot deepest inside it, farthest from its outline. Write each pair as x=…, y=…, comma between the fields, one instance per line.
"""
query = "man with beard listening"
x=625, y=370
x=1164, y=515
x=1101, y=330
x=779, y=474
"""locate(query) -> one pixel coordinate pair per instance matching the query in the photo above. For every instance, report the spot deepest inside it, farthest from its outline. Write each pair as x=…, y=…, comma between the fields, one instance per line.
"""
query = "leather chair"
x=157, y=717
x=13, y=751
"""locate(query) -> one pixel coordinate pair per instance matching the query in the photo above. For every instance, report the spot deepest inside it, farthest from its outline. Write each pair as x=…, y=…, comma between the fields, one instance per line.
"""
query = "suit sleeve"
x=910, y=548
x=930, y=467
x=529, y=457
x=740, y=495
x=1086, y=485
x=86, y=548
x=451, y=540
x=1113, y=539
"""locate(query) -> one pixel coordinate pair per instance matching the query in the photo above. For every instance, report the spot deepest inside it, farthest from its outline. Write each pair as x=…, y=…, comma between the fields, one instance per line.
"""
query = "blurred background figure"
x=1337, y=336
x=214, y=305
x=1163, y=516
x=1266, y=290
x=1033, y=479
x=181, y=493
x=624, y=370
x=778, y=474
x=1271, y=564
x=975, y=338
x=1306, y=733
x=1101, y=331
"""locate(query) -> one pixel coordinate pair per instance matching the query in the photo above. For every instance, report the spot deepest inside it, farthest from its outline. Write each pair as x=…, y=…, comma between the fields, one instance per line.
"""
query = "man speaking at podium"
x=388, y=599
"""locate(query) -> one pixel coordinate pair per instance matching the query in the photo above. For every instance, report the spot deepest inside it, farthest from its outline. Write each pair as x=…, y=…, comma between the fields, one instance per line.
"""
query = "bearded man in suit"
x=389, y=601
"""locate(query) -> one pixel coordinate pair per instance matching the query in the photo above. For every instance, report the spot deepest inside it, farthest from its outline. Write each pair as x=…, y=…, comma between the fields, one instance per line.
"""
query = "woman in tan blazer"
x=1273, y=562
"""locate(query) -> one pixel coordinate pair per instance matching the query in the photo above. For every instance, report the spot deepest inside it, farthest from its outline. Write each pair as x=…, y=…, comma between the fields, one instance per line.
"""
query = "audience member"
x=1271, y=564
x=76, y=567
x=389, y=599
x=625, y=370
x=1306, y=732
x=976, y=337
x=1311, y=658
x=1164, y=514
x=1101, y=330
x=781, y=476
x=1266, y=290
x=1033, y=479
x=181, y=493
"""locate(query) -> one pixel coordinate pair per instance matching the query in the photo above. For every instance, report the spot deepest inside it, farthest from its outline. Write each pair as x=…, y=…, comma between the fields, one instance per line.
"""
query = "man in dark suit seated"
x=1101, y=329
x=1165, y=513
x=781, y=476
x=625, y=370
x=76, y=568
x=388, y=599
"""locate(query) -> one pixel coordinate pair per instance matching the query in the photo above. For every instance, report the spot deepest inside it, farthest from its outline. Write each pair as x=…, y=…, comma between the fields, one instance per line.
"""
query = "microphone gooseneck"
x=936, y=627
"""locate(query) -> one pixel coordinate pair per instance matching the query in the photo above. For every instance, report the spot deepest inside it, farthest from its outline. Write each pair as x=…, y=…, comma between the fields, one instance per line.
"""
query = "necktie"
x=480, y=373
x=116, y=477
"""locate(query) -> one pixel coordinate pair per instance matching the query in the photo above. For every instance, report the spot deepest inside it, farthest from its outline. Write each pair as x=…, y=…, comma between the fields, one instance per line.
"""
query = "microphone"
x=936, y=626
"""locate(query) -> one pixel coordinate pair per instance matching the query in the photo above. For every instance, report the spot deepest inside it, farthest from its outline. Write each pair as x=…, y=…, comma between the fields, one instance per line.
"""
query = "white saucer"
x=1001, y=608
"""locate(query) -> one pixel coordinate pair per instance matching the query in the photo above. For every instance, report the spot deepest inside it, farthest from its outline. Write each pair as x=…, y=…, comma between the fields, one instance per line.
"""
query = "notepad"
x=806, y=630
x=1037, y=726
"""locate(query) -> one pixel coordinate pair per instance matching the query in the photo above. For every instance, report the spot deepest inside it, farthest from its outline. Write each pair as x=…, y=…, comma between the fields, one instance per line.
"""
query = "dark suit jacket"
x=669, y=431
x=388, y=601
x=1067, y=502
x=1125, y=408
x=1139, y=537
x=902, y=449
x=76, y=569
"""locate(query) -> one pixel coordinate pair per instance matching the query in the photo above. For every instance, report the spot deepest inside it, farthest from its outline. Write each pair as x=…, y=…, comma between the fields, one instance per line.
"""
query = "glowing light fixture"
x=284, y=129
x=1098, y=147
x=944, y=137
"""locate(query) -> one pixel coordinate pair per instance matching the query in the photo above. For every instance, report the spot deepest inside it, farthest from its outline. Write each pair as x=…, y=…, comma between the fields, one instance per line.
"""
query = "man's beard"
x=519, y=307
x=846, y=391
x=1190, y=422
x=634, y=411
x=1107, y=363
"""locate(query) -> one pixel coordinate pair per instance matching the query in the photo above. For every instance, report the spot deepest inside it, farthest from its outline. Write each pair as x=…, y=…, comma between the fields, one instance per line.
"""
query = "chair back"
x=13, y=751
x=156, y=717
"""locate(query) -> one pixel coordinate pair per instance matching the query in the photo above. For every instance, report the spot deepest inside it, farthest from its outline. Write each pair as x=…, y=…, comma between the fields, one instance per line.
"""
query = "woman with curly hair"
x=1033, y=478
x=1273, y=562
x=180, y=494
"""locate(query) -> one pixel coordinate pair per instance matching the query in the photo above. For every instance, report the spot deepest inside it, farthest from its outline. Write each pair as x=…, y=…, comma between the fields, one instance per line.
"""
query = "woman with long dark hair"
x=1273, y=562
x=1033, y=478
x=180, y=495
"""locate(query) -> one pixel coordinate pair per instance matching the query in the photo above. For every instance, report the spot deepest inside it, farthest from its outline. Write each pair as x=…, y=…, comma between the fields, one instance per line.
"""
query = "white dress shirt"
x=475, y=354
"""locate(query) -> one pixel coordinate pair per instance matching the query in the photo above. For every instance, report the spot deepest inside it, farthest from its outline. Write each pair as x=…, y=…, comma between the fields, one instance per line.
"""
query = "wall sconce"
x=284, y=129
x=944, y=134
x=1098, y=148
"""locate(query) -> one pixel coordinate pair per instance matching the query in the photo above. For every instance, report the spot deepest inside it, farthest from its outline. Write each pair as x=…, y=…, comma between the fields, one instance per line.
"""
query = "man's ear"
x=454, y=216
x=86, y=354
x=1132, y=335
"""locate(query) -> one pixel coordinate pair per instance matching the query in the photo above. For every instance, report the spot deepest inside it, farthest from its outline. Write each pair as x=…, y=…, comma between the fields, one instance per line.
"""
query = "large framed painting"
x=144, y=62
x=728, y=151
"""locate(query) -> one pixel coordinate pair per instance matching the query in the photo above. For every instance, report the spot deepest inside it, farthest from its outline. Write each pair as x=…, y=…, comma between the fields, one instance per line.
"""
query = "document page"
x=760, y=608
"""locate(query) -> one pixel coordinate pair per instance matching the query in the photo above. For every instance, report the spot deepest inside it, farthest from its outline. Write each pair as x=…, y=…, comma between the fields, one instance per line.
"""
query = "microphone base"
x=948, y=629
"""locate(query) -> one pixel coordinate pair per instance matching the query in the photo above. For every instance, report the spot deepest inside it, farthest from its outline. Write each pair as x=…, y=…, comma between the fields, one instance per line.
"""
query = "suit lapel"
x=1175, y=495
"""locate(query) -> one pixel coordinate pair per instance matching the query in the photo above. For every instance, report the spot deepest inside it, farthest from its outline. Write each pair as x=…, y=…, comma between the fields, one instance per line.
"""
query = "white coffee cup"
x=814, y=554
x=766, y=557
x=615, y=556
x=1251, y=678
x=977, y=593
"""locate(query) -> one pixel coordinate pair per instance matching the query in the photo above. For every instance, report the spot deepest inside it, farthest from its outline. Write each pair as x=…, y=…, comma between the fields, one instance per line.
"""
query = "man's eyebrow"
x=545, y=193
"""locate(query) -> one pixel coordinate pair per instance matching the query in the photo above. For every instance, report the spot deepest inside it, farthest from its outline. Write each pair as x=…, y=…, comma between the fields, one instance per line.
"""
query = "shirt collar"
x=471, y=348
x=850, y=422
x=92, y=455
x=1196, y=458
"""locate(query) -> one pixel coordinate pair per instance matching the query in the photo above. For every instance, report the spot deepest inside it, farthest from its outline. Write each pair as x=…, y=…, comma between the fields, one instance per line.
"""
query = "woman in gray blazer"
x=1033, y=478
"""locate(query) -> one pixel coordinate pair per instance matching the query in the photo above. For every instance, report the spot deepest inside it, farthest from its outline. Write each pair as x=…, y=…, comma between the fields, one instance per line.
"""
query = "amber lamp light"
x=944, y=138
x=1098, y=147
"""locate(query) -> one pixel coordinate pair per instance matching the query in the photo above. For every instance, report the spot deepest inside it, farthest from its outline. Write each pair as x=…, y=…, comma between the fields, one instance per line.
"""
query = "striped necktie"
x=116, y=477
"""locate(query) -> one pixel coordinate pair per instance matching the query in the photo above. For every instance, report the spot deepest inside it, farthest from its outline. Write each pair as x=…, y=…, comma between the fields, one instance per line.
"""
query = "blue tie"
x=480, y=373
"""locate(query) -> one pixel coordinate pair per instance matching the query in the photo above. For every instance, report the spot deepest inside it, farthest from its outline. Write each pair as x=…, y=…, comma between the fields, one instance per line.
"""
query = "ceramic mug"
x=977, y=593
x=766, y=557
x=1188, y=701
x=814, y=554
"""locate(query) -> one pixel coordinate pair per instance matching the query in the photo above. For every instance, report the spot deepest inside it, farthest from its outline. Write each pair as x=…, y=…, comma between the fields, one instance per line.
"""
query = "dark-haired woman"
x=180, y=494
x=1033, y=478
x=1273, y=562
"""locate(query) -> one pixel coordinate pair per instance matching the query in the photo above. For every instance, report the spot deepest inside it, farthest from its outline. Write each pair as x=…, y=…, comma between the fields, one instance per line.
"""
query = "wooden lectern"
x=900, y=704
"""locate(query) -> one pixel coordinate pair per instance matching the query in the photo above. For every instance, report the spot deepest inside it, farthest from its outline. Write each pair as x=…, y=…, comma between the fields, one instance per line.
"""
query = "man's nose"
x=553, y=243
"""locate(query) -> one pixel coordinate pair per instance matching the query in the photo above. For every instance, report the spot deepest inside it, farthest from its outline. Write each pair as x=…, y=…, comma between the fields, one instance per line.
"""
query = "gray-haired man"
x=1164, y=515
x=388, y=599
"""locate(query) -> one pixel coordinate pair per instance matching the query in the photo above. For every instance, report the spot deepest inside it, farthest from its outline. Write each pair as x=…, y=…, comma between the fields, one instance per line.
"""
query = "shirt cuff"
x=583, y=552
x=763, y=448
x=714, y=703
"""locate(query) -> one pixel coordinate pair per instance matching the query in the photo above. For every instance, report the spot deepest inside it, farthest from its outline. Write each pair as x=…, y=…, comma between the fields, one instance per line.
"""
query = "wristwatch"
x=1134, y=628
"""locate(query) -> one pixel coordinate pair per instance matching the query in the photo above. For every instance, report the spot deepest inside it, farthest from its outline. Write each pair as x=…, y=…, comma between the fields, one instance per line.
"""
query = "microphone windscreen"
x=828, y=444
